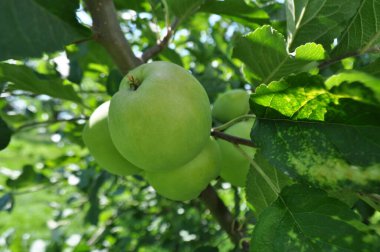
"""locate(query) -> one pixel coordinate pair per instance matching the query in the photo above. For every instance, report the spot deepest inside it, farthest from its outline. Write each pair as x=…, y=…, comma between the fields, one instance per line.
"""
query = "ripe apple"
x=230, y=104
x=98, y=140
x=187, y=182
x=160, y=118
x=235, y=165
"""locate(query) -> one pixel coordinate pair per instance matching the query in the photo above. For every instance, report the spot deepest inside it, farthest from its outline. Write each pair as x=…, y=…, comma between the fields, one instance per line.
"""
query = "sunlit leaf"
x=266, y=58
x=368, y=80
x=327, y=137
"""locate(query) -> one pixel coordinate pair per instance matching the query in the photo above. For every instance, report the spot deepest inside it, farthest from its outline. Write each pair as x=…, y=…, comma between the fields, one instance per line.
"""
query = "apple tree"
x=189, y=125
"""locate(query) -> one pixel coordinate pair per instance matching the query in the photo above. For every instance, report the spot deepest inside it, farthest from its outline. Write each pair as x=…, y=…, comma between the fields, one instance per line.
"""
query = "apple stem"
x=225, y=218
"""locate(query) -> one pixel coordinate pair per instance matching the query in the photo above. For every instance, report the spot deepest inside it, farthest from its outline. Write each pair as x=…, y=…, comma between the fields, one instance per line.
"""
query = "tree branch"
x=161, y=45
x=226, y=220
x=107, y=32
x=329, y=62
x=37, y=124
x=232, y=139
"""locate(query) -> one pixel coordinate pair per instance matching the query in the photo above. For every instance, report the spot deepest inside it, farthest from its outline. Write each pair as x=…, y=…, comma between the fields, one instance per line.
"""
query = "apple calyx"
x=133, y=82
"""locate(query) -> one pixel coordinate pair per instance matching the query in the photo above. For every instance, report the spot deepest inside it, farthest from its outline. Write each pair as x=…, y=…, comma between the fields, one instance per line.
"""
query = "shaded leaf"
x=261, y=194
x=317, y=21
x=5, y=135
x=238, y=9
x=25, y=79
x=327, y=137
x=137, y=5
x=88, y=55
x=113, y=81
x=363, y=31
x=92, y=215
x=306, y=219
x=24, y=29
x=266, y=58
x=7, y=202
x=182, y=8
x=212, y=83
x=372, y=68
x=170, y=55
x=206, y=249
x=27, y=177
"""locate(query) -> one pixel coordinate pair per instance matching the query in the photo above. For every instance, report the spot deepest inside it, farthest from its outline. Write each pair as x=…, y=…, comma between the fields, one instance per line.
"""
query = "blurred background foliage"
x=53, y=196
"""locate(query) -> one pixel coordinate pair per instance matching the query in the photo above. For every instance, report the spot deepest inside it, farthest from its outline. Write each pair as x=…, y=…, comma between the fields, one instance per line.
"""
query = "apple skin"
x=188, y=181
x=231, y=104
x=234, y=165
x=98, y=140
x=160, y=118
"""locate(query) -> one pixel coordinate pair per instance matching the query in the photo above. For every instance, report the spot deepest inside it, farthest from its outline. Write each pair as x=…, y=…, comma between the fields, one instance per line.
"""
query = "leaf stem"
x=329, y=62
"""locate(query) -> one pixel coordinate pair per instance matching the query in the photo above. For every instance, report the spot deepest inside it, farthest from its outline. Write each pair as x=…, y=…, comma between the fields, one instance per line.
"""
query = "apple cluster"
x=158, y=126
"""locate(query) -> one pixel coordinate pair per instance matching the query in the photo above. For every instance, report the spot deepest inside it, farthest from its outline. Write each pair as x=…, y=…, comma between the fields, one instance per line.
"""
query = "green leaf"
x=326, y=137
x=260, y=192
x=317, y=21
x=28, y=177
x=212, y=82
x=88, y=55
x=32, y=27
x=368, y=80
x=363, y=31
x=266, y=58
x=306, y=219
x=206, y=249
x=92, y=215
x=113, y=81
x=137, y=5
x=25, y=79
x=7, y=202
x=372, y=68
x=5, y=135
x=237, y=9
x=182, y=8
x=170, y=55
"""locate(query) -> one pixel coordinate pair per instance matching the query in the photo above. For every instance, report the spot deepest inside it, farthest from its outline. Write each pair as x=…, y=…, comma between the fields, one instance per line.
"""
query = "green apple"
x=98, y=140
x=160, y=118
x=230, y=104
x=235, y=165
x=188, y=181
